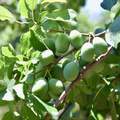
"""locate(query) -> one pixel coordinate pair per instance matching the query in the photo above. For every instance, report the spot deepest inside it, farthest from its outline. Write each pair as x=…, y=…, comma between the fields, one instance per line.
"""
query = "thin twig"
x=47, y=67
x=83, y=72
x=69, y=105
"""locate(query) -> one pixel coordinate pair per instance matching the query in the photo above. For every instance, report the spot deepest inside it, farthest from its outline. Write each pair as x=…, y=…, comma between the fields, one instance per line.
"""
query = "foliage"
x=97, y=92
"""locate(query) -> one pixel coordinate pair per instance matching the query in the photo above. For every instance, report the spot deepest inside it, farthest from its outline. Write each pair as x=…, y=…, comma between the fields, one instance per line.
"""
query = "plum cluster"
x=49, y=83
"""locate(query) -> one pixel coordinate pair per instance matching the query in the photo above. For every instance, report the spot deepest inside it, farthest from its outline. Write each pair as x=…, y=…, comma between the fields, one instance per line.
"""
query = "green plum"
x=46, y=57
x=56, y=87
x=76, y=39
x=100, y=45
x=40, y=87
x=87, y=52
x=50, y=44
x=57, y=72
x=62, y=43
x=71, y=71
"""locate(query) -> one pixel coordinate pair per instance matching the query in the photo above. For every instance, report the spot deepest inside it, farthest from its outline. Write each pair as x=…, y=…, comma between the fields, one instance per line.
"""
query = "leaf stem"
x=21, y=22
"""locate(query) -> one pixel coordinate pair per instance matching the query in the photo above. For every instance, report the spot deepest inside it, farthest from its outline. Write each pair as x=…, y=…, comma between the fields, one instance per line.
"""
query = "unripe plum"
x=62, y=43
x=49, y=43
x=46, y=57
x=87, y=52
x=40, y=87
x=71, y=71
x=57, y=72
x=100, y=45
x=76, y=39
x=56, y=87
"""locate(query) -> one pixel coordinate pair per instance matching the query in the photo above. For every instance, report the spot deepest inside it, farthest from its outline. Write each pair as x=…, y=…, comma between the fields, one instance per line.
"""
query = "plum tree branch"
x=83, y=34
x=83, y=72
x=47, y=67
x=68, y=53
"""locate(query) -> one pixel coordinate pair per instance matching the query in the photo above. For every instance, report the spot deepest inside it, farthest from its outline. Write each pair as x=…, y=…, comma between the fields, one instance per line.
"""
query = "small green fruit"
x=46, y=97
x=56, y=72
x=65, y=62
x=56, y=87
x=46, y=57
x=50, y=44
x=40, y=87
x=62, y=43
x=99, y=67
x=87, y=52
x=71, y=71
x=39, y=67
x=100, y=45
x=76, y=39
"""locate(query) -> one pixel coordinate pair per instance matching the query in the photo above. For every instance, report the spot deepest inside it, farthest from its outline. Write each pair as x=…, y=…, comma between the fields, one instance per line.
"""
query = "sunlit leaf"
x=25, y=42
x=113, y=33
x=23, y=8
x=20, y=90
x=31, y=3
x=40, y=105
x=5, y=14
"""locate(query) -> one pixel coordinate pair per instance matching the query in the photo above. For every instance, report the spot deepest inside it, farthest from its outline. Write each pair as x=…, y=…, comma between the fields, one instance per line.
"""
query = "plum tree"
x=87, y=52
x=40, y=87
x=62, y=43
x=46, y=57
x=76, y=39
x=71, y=71
x=100, y=45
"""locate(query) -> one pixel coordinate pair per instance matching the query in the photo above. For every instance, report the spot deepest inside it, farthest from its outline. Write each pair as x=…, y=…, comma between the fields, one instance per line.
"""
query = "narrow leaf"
x=5, y=14
x=25, y=42
x=113, y=33
x=31, y=3
x=23, y=8
x=108, y=4
x=40, y=105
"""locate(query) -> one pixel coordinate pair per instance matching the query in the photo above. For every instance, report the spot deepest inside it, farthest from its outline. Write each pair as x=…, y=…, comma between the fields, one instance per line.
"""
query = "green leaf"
x=3, y=103
x=113, y=33
x=20, y=90
x=7, y=93
x=108, y=4
x=5, y=14
x=27, y=113
x=25, y=42
x=8, y=116
x=36, y=41
x=40, y=105
x=23, y=8
x=31, y=3
x=64, y=15
x=52, y=1
x=50, y=24
x=7, y=51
